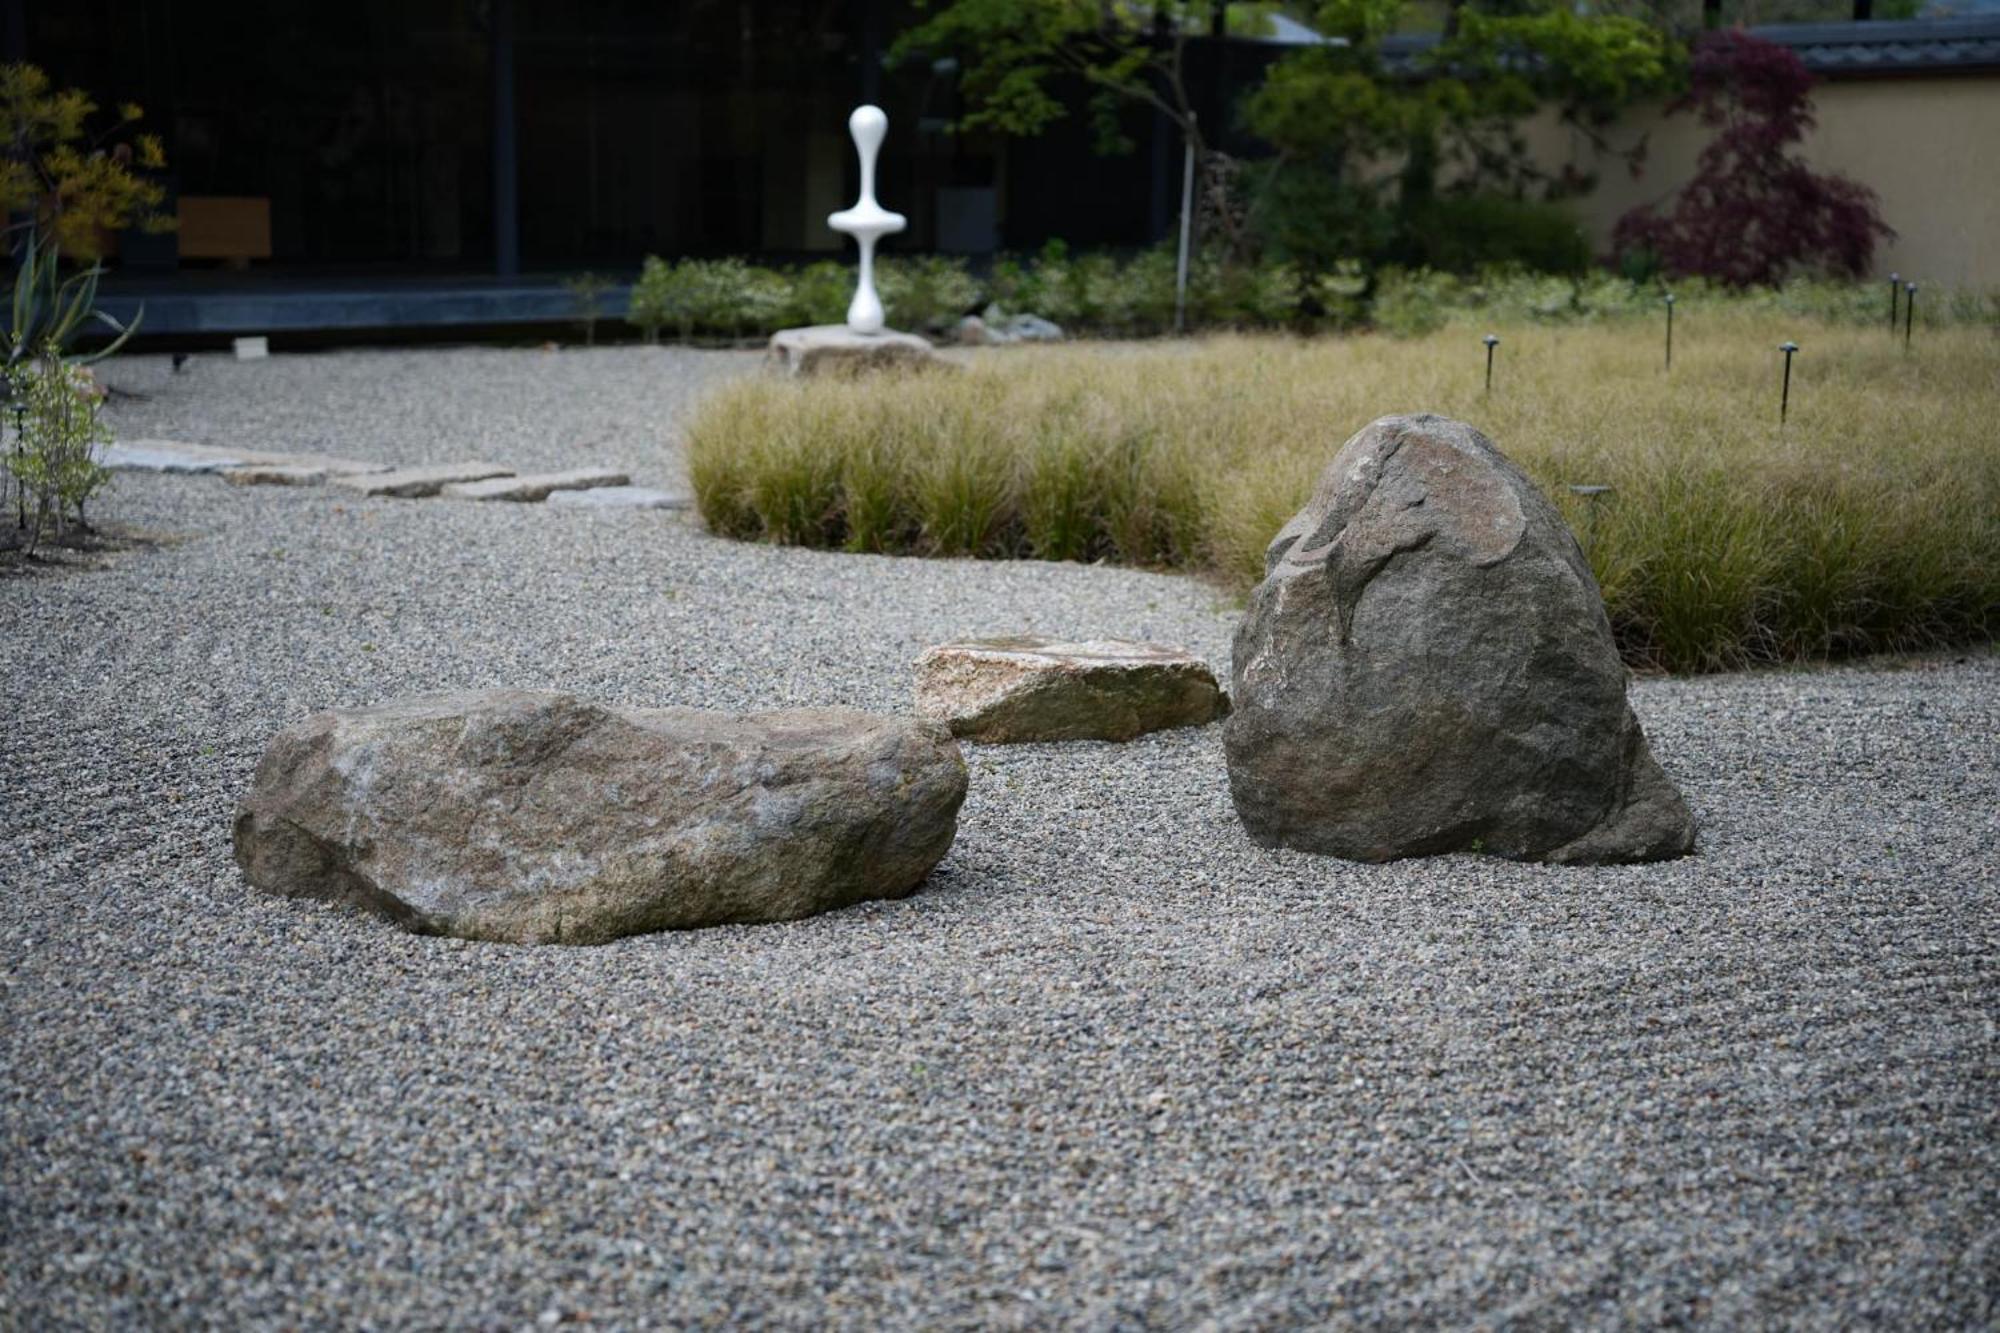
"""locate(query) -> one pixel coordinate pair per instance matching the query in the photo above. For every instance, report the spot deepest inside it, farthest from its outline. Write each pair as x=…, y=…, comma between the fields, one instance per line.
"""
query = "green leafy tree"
x=1365, y=150
x=1020, y=60
x=1360, y=145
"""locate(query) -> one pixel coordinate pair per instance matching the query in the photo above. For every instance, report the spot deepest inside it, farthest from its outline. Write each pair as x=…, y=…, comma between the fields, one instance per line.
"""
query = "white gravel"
x=1114, y=1067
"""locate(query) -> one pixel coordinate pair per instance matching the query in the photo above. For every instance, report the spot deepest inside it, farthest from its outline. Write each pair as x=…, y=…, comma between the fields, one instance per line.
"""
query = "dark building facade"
x=484, y=136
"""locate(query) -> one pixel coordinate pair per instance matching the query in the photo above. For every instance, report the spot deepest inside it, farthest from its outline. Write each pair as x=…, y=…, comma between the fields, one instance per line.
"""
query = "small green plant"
x=587, y=292
x=927, y=293
x=820, y=293
x=715, y=296
x=55, y=428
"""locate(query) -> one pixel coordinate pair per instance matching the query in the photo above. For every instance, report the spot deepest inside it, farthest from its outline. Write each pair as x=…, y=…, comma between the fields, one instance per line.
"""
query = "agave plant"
x=50, y=311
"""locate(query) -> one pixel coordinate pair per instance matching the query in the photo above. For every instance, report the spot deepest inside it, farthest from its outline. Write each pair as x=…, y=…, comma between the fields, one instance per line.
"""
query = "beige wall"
x=1930, y=147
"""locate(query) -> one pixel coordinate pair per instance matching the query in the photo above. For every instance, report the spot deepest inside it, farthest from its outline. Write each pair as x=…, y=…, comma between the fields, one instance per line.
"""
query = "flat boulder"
x=1030, y=688
x=538, y=818
x=621, y=497
x=275, y=474
x=535, y=486
x=835, y=349
x=413, y=483
x=169, y=456
x=1427, y=667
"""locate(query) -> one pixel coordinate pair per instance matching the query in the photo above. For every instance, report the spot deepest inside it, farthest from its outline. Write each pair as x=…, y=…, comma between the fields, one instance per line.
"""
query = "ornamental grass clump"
x=1869, y=521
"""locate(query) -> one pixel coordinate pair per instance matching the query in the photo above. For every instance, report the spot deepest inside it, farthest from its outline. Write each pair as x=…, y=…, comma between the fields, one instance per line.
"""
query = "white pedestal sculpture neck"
x=867, y=222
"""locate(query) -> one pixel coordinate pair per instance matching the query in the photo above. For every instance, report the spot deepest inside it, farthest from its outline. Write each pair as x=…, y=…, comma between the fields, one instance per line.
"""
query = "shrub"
x=928, y=293
x=1466, y=233
x=56, y=429
x=1753, y=212
x=820, y=293
x=724, y=296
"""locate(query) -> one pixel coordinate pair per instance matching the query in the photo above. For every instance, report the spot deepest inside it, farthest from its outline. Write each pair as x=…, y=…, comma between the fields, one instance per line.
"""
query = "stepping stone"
x=413, y=483
x=168, y=456
x=1030, y=688
x=535, y=486
x=620, y=497
x=180, y=456
x=264, y=474
x=326, y=463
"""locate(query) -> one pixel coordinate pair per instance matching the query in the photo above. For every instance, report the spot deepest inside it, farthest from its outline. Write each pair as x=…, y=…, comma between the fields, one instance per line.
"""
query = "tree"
x=1363, y=147
x=1753, y=212
x=1334, y=113
x=1015, y=55
x=63, y=185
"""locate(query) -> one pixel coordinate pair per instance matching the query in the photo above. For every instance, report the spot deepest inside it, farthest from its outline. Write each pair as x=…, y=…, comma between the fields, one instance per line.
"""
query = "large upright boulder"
x=1427, y=667
x=540, y=818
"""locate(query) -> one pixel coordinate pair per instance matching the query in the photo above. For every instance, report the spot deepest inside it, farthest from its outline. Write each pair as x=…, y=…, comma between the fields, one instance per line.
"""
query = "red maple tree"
x=1754, y=212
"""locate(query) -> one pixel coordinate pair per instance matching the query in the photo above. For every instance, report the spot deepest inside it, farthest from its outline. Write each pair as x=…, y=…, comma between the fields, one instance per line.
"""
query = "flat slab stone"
x=620, y=497
x=168, y=456
x=1030, y=688
x=835, y=349
x=181, y=456
x=413, y=483
x=543, y=818
x=259, y=474
x=534, y=486
x=326, y=463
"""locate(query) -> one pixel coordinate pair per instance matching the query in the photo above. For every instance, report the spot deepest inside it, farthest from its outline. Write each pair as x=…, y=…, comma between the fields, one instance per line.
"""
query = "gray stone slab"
x=326, y=463
x=620, y=497
x=261, y=474
x=182, y=456
x=535, y=486
x=416, y=482
x=167, y=456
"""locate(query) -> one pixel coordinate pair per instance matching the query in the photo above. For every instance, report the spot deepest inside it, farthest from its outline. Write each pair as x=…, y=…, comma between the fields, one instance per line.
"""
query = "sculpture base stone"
x=835, y=349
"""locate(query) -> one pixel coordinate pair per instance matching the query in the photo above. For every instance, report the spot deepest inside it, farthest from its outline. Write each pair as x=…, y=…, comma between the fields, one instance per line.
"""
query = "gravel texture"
x=1114, y=1067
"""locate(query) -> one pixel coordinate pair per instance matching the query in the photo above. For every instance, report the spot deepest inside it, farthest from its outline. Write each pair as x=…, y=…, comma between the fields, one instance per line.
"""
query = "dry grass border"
x=1869, y=522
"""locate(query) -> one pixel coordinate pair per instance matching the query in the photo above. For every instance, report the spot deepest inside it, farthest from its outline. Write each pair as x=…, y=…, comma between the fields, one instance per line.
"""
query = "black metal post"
x=1909, y=312
x=1670, y=330
x=1895, y=288
x=1785, y=399
x=1491, y=342
x=506, y=147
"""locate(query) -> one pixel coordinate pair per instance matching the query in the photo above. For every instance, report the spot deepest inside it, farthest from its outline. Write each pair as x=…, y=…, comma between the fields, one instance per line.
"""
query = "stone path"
x=457, y=481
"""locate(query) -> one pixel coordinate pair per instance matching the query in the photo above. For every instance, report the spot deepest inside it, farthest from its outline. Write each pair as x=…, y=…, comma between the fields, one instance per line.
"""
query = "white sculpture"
x=867, y=222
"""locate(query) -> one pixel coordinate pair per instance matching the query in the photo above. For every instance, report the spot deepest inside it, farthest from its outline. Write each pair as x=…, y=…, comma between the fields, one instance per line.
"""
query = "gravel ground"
x=1114, y=1067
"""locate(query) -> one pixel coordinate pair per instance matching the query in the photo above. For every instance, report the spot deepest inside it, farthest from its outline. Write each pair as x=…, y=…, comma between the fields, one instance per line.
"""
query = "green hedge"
x=1106, y=295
